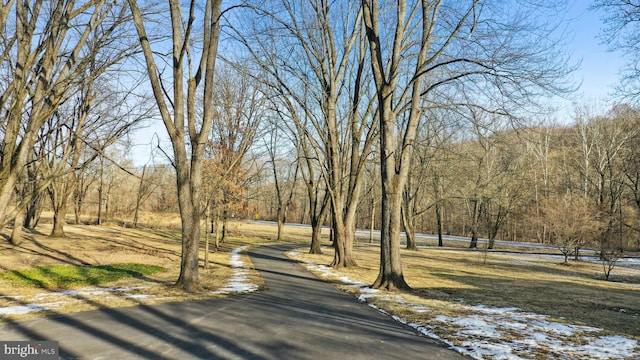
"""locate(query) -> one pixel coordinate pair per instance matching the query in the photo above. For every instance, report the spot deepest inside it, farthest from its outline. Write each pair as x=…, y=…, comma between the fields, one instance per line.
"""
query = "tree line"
x=406, y=115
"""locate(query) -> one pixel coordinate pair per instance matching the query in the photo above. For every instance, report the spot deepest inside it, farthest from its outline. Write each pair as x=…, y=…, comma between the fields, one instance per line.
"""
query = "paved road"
x=298, y=317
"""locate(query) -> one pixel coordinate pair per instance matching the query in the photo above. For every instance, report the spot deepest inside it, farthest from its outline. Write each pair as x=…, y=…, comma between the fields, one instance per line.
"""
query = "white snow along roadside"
x=501, y=333
x=239, y=282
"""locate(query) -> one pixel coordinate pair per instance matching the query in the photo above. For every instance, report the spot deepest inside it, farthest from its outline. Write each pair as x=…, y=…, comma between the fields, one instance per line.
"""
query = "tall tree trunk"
x=16, y=233
x=343, y=234
x=437, y=189
x=59, y=207
x=217, y=228
x=409, y=229
x=373, y=218
x=395, y=152
x=190, y=219
x=34, y=205
x=180, y=127
x=225, y=217
x=100, y=191
x=316, y=229
x=493, y=232
x=8, y=182
x=78, y=198
x=439, y=223
x=475, y=216
x=32, y=215
x=139, y=197
x=390, y=276
x=316, y=238
x=343, y=243
x=496, y=225
x=13, y=148
x=280, y=225
x=58, y=224
x=206, y=236
x=317, y=221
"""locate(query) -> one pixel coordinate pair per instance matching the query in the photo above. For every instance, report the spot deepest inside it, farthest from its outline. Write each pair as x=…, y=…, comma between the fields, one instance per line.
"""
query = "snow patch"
x=43, y=301
x=239, y=282
x=28, y=308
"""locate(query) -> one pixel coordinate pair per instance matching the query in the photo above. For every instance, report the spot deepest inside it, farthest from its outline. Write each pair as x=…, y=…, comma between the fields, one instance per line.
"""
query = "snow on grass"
x=90, y=291
x=52, y=300
x=629, y=262
x=28, y=308
x=499, y=333
x=508, y=333
x=239, y=282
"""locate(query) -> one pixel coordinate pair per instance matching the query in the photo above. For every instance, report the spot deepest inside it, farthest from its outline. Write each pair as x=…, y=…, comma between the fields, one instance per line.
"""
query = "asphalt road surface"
x=297, y=317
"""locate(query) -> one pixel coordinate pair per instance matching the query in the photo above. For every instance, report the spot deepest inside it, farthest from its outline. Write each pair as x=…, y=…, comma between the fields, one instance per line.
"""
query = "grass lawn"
x=65, y=276
x=106, y=266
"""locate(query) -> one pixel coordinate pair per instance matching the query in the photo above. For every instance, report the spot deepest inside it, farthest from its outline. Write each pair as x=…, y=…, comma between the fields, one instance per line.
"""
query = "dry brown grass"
x=269, y=231
x=442, y=278
x=100, y=245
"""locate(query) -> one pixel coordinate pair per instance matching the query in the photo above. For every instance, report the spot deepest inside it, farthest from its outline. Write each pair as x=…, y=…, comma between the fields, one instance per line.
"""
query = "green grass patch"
x=64, y=276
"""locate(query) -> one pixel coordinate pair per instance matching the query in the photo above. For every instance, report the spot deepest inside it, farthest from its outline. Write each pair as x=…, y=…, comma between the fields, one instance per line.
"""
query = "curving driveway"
x=298, y=317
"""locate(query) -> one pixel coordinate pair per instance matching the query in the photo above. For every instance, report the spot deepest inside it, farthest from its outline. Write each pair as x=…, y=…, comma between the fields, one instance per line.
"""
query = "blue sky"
x=599, y=71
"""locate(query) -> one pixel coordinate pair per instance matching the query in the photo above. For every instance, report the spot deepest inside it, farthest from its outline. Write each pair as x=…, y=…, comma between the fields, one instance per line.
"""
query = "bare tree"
x=571, y=221
x=621, y=33
x=237, y=117
x=85, y=178
x=111, y=177
x=147, y=186
x=508, y=184
x=420, y=52
x=33, y=196
x=98, y=117
x=538, y=145
x=312, y=54
x=441, y=171
x=313, y=181
x=293, y=117
x=631, y=164
x=285, y=175
x=177, y=104
x=44, y=56
x=425, y=183
x=414, y=202
x=607, y=137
